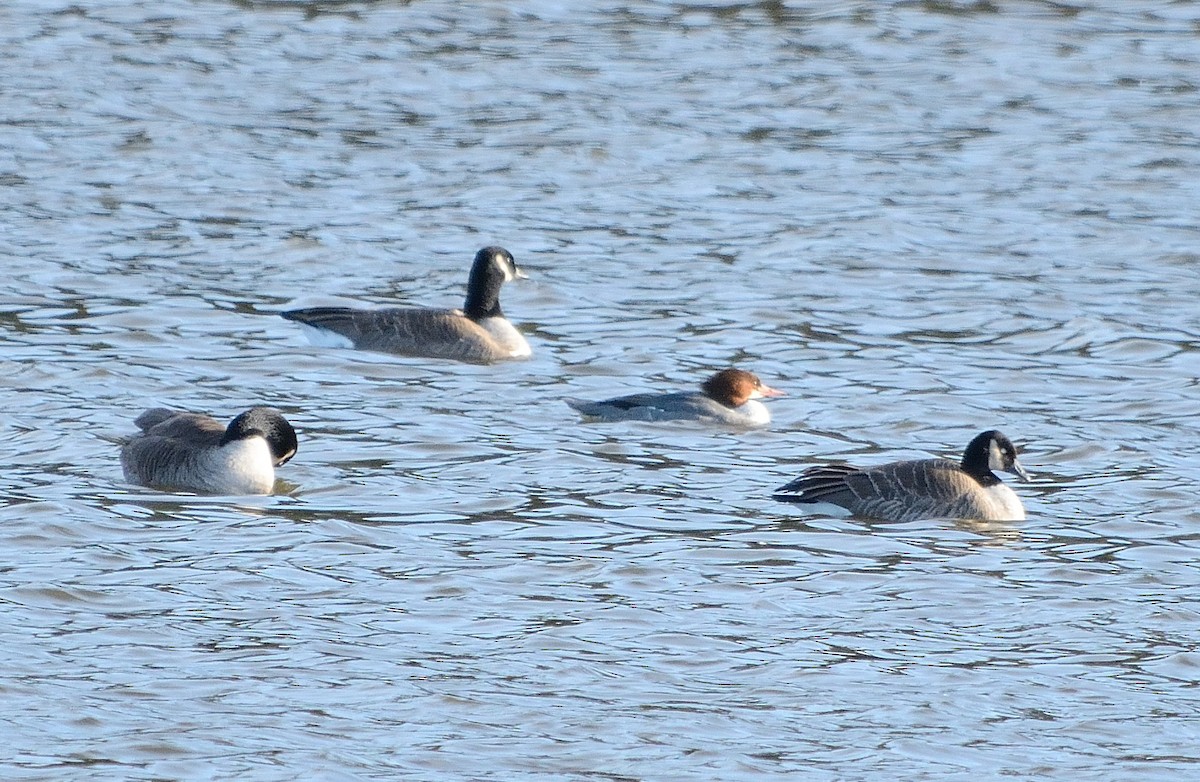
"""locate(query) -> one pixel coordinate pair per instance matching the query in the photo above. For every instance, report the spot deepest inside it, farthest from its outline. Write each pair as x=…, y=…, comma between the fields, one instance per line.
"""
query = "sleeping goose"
x=920, y=488
x=728, y=397
x=478, y=333
x=193, y=452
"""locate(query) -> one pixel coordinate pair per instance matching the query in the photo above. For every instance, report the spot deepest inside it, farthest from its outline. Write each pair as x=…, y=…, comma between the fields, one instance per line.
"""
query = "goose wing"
x=195, y=428
x=406, y=331
x=820, y=484
x=900, y=491
x=911, y=490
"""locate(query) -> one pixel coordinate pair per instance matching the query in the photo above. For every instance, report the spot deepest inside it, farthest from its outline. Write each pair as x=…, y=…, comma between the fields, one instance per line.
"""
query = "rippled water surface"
x=920, y=219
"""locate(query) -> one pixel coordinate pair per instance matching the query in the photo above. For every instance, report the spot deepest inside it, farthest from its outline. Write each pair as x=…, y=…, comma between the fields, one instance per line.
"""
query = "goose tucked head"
x=991, y=450
x=735, y=387
x=269, y=424
x=493, y=266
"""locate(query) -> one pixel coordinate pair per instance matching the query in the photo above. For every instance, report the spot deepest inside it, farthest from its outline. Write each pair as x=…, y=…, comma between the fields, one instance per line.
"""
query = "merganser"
x=728, y=397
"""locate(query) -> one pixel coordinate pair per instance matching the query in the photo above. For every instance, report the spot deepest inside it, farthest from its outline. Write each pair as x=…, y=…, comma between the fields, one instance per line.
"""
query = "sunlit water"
x=921, y=220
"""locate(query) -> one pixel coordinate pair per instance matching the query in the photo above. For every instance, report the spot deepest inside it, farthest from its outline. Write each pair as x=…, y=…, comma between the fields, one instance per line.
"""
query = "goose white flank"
x=193, y=452
x=478, y=333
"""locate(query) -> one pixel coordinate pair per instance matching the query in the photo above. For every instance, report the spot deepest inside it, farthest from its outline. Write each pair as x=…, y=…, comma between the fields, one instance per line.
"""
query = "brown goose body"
x=478, y=333
x=193, y=452
x=920, y=488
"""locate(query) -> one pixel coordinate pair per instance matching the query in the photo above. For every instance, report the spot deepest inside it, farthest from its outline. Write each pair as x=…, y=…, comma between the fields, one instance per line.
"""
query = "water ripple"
x=921, y=220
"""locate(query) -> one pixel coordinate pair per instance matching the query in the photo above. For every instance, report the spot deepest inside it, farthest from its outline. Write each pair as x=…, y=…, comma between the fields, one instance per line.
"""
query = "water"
x=921, y=220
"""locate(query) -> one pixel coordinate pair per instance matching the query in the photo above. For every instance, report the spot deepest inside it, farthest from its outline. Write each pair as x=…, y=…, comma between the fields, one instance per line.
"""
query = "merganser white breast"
x=728, y=397
x=193, y=452
x=478, y=333
x=921, y=488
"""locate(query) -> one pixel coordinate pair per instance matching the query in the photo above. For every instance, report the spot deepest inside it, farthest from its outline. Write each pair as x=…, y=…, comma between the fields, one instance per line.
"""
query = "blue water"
x=921, y=220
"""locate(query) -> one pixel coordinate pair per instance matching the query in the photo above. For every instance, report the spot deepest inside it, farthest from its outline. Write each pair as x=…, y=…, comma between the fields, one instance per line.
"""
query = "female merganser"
x=921, y=488
x=478, y=333
x=728, y=397
x=193, y=452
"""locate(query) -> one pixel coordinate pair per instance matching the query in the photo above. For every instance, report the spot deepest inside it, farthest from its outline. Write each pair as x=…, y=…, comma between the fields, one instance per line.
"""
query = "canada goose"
x=478, y=333
x=921, y=488
x=728, y=397
x=193, y=452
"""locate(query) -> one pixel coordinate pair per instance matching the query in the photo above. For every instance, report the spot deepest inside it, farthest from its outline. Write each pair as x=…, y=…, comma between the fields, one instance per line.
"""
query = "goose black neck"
x=976, y=460
x=483, y=289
